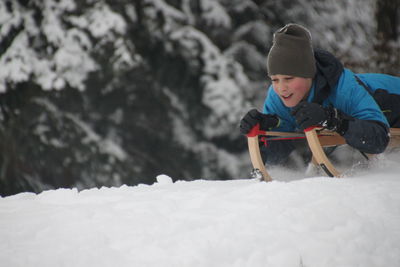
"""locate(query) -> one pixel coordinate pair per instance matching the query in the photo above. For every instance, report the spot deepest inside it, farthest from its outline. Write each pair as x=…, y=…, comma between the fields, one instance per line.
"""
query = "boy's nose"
x=282, y=88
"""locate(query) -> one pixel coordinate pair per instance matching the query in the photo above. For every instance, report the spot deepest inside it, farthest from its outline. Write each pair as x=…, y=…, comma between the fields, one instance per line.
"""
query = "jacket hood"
x=329, y=70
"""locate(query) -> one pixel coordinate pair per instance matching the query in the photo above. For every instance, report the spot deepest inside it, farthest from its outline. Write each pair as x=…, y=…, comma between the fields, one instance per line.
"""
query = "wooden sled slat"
x=394, y=137
x=316, y=140
x=319, y=154
x=255, y=156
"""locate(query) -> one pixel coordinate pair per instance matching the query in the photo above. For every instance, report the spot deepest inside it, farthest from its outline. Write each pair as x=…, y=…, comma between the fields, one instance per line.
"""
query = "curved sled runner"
x=316, y=139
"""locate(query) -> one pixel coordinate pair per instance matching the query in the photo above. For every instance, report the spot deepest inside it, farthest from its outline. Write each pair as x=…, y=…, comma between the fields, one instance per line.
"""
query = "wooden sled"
x=316, y=139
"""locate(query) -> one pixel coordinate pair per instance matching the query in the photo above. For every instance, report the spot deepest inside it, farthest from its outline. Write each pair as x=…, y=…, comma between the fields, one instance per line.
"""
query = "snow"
x=214, y=14
x=353, y=221
x=101, y=21
x=224, y=81
x=164, y=179
x=65, y=39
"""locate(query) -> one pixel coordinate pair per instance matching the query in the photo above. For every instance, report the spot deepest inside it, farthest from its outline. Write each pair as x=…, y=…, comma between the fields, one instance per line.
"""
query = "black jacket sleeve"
x=367, y=136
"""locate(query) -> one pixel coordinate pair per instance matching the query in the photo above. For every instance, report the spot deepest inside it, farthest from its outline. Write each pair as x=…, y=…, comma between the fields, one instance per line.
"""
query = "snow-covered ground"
x=318, y=222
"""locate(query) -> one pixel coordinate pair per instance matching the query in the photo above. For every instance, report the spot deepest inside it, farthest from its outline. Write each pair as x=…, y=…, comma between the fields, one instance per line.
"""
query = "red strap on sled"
x=255, y=131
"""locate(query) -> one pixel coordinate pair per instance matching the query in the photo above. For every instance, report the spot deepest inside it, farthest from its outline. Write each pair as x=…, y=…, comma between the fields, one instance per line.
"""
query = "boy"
x=311, y=88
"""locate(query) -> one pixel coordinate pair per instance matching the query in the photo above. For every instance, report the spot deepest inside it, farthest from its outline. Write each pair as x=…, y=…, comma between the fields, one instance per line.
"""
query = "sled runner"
x=317, y=138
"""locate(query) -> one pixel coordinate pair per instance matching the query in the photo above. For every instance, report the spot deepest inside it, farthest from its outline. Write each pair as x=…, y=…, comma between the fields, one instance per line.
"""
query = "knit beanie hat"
x=292, y=53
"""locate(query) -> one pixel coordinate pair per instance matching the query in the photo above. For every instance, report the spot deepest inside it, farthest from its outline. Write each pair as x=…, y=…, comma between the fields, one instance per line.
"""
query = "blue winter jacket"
x=339, y=87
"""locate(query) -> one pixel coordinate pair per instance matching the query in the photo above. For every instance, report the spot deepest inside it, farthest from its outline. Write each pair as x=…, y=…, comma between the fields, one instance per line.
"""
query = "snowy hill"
x=305, y=222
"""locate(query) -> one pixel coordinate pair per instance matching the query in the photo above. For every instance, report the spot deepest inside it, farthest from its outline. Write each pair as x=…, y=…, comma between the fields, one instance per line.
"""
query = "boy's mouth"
x=286, y=97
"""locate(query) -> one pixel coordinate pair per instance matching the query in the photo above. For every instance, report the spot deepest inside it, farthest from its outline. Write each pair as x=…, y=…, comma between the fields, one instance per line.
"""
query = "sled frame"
x=317, y=139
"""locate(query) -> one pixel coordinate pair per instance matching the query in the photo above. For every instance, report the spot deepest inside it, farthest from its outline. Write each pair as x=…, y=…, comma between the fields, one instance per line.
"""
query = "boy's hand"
x=310, y=114
x=253, y=117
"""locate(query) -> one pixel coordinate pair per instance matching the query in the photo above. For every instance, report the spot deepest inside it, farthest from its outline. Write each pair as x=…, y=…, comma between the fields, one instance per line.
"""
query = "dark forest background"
x=111, y=92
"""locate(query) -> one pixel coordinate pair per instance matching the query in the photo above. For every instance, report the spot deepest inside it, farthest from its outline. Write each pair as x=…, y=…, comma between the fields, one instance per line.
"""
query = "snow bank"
x=308, y=222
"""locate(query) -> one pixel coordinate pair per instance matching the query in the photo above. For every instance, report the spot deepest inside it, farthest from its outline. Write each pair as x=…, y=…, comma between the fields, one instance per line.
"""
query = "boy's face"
x=291, y=89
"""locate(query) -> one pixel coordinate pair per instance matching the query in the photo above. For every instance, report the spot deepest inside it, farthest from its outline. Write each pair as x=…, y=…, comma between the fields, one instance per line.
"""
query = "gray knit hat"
x=292, y=53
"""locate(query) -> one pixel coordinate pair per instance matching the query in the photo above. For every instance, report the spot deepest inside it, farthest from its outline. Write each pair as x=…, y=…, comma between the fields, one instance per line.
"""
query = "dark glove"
x=253, y=117
x=312, y=114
